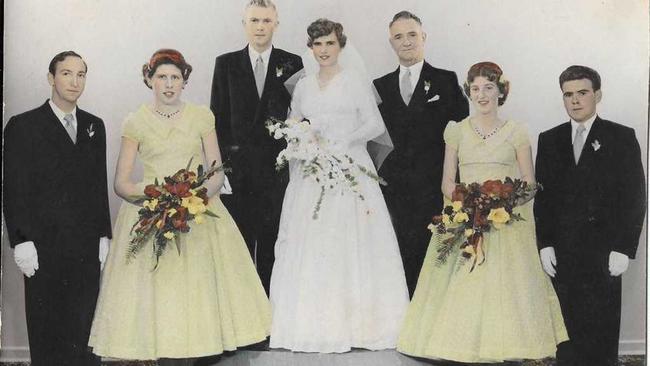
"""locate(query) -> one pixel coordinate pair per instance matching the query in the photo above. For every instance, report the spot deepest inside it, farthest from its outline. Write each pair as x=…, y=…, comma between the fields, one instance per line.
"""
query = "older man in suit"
x=589, y=216
x=418, y=100
x=58, y=219
x=247, y=89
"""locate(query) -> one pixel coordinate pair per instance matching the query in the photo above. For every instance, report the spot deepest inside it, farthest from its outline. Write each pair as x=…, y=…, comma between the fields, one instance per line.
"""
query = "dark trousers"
x=257, y=214
x=591, y=306
x=410, y=217
x=59, y=304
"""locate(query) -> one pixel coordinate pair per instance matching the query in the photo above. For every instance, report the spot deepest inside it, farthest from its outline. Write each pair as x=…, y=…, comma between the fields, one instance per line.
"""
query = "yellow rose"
x=457, y=205
x=199, y=219
x=171, y=212
x=159, y=224
x=445, y=219
x=461, y=217
x=194, y=205
x=469, y=232
x=151, y=205
x=469, y=250
x=169, y=235
x=432, y=228
x=498, y=217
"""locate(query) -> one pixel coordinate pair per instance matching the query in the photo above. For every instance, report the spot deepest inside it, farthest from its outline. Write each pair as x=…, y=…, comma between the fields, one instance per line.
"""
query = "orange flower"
x=181, y=189
x=492, y=187
x=152, y=191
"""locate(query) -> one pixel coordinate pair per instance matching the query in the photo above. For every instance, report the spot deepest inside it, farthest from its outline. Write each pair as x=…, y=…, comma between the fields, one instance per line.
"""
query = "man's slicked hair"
x=405, y=14
x=261, y=4
x=578, y=72
x=60, y=57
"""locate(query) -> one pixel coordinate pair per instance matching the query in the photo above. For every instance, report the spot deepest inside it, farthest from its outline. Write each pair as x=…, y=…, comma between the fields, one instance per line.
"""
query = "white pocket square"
x=225, y=188
x=433, y=98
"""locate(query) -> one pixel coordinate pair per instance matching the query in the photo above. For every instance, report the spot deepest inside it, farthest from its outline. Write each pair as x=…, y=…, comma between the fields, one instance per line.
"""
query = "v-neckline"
x=491, y=135
x=329, y=84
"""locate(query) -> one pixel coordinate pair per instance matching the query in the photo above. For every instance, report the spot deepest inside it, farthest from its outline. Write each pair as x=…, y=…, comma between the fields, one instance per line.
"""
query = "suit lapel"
x=588, y=150
x=394, y=88
x=53, y=129
x=247, y=76
x=565, y=145
x=83, y=128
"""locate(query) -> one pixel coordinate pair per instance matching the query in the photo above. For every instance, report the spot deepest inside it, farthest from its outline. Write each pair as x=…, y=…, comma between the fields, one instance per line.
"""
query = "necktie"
x=405, y=86
x=69, y=128
x=259, y=75
x=578, y=142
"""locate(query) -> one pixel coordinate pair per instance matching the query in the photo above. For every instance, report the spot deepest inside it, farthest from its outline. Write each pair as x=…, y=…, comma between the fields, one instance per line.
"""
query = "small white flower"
x=90, y=131
x=596, y=145
x=427, y=86
x=278, y=71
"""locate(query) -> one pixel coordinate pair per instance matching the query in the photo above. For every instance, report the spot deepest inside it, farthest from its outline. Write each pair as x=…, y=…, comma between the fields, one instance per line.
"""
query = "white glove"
x=103, y=251
x=547, y=255
x=226, y=188
x=26, y=258
x=618, y=263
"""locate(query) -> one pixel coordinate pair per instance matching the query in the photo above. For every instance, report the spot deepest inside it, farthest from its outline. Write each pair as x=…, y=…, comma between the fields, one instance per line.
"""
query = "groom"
x=56, y=207
x=418, y=100
x=589, y=216
x=248, y=89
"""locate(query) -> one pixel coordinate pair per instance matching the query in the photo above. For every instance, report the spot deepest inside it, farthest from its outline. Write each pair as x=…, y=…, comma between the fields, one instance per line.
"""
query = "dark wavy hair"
x=62, y=56
x=405, y=15
x=166, y=56
x=577, y=72
x=324, y=27
x=492, y=72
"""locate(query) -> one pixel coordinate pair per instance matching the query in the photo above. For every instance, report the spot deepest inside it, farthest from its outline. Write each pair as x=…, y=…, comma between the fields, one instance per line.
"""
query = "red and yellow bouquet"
x=477, y=209
x=168, y=208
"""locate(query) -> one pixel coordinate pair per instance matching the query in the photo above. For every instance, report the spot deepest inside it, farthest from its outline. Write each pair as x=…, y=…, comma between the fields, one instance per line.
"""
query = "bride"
x=338, y=281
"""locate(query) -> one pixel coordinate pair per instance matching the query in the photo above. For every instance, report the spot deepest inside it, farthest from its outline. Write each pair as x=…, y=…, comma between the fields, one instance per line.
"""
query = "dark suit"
x=585, y=211
x=245, y=143
x=414, y=169
x=55, y=195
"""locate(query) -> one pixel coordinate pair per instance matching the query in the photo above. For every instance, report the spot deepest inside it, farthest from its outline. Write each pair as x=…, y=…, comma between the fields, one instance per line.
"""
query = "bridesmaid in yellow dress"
x=506, y=309
x=207, y=299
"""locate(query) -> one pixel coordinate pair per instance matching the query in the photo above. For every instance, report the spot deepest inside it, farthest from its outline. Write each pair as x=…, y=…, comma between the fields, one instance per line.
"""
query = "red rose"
x=459, y=193
x=152, y=191
x=437, y=220
x=491, y=187
x=506, y=190
x=181, y=189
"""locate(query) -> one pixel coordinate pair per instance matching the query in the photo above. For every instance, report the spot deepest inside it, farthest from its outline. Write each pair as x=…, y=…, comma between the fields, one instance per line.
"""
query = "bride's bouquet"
x=331, y=170
x=476, y=209
x=168, y=208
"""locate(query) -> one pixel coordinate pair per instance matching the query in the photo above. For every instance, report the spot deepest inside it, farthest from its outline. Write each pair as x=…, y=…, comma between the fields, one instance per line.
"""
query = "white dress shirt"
x=253, y=54
x=60, y=114
x=587, y=124
x=416, y=70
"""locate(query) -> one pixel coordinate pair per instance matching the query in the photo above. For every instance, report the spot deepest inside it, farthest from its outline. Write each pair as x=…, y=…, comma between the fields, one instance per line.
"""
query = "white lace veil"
x=350, y=59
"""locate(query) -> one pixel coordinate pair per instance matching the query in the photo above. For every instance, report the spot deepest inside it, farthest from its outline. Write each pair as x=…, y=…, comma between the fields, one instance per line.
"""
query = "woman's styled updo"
x=324, y=27
x=493, y=73
x=162, y=57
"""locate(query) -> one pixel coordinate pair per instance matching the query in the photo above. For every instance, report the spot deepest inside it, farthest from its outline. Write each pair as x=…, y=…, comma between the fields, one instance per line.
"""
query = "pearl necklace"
x=167, y=115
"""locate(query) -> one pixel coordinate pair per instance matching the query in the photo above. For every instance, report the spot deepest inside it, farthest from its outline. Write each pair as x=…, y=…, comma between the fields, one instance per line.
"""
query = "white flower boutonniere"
x=596, y=145
x=427, y=86
x=91, y=131
x=278, y=71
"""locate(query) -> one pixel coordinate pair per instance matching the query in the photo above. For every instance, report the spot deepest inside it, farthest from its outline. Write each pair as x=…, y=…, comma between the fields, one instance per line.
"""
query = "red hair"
x=166, y=56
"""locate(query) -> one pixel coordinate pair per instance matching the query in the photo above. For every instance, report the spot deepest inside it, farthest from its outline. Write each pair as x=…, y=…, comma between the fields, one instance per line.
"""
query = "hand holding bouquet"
x=168, y=208
x=477, y=209
x=320, y=159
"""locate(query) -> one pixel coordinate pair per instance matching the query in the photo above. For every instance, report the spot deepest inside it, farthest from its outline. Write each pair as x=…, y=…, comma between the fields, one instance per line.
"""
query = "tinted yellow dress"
x=207, y=299
x=506, y=309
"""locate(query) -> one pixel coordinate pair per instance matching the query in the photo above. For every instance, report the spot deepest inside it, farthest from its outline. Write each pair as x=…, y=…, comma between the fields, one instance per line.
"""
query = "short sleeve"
x=520, y=136
x=205, y=121
x=131, y=129
x=452, y=135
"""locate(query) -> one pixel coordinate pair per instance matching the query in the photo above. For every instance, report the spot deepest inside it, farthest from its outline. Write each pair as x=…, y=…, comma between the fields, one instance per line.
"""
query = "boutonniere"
x=279, y=71
x=427, y=86
x=90, y=130
x=596, y=145
x=433, y=98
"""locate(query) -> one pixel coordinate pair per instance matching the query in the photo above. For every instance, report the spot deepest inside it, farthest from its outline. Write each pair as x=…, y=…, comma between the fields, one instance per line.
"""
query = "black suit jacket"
x=595, y=207
x=241, y=114
x=415, y=166
x=55, y=191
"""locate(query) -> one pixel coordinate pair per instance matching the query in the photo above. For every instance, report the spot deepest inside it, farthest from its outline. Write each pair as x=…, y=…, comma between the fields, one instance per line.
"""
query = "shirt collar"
x=587, y=124
x=253, y=54
x=415, y=69
x=60, y=114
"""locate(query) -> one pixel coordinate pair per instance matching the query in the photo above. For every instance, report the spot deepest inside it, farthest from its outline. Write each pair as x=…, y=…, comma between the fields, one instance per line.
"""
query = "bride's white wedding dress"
x=338, y=281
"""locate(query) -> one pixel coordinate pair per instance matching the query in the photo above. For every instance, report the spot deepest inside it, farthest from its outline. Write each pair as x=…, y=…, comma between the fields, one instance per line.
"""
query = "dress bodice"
x=164, y=147
x=494, y=157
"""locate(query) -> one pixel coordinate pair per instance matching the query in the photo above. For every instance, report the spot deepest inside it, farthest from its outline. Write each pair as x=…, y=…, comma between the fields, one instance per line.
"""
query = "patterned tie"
x=578, y=142
x=405, y=86
x=69, y=128
x=259, y=75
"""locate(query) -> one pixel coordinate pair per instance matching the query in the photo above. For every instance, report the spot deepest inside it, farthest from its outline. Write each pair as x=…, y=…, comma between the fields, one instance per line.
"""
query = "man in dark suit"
x=58, y=219
x=248, y=89
x=589, y=216
x=418, y=100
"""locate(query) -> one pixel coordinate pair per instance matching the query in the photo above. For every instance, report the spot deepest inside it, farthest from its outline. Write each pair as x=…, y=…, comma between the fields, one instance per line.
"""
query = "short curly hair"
x=493, y=73
x=165, y=56
x=324, y=27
